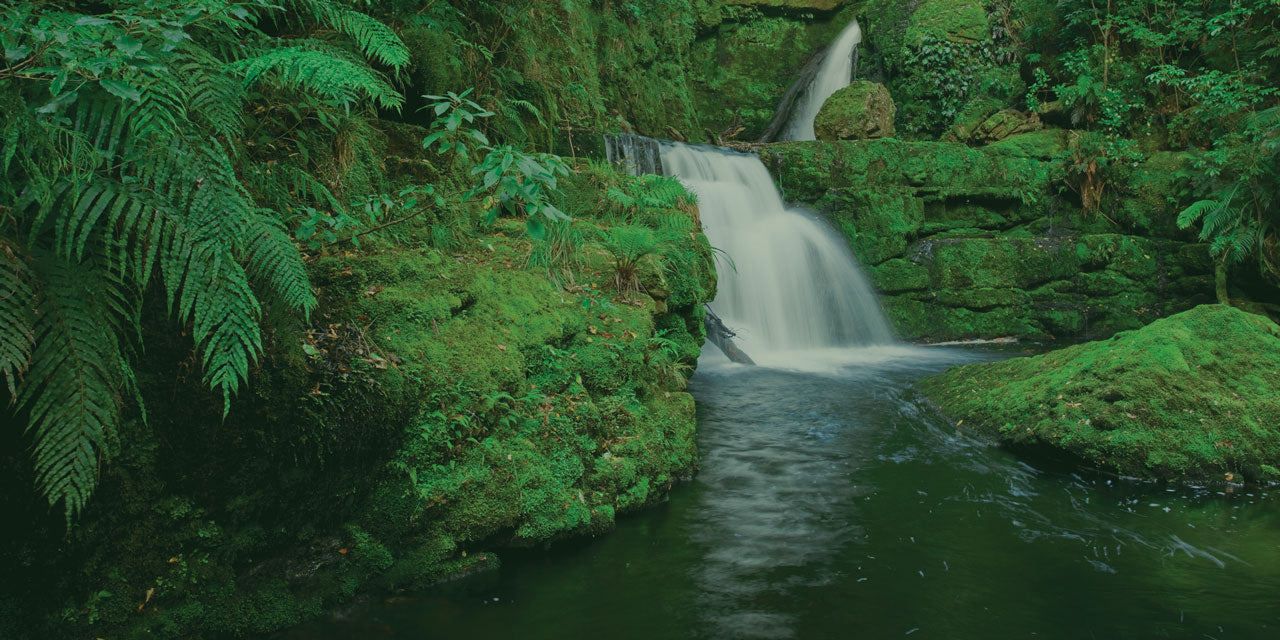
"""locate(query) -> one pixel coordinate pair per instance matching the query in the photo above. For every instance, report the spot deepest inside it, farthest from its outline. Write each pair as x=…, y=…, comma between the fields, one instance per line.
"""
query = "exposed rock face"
x=974, y=242
x=863, y=110
x=984, y=122
x=1187, y=397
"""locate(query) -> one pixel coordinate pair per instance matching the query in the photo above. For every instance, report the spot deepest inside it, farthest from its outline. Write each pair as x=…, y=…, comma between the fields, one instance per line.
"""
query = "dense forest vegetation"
x=318, y=296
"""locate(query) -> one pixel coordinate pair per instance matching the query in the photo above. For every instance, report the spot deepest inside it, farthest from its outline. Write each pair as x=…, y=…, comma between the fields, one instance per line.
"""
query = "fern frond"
x=1191, y=214
x=271, y=257
x=214, y=98
x=72, y=390
x=225, y=317
x=375, y=40
x=17, y=299
x=326, y=75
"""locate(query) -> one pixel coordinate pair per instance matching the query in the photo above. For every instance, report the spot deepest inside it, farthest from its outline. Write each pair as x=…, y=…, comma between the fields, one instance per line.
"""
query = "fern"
x=16, y=300
x=334, y=78
x=72, y=388
x=139, y=176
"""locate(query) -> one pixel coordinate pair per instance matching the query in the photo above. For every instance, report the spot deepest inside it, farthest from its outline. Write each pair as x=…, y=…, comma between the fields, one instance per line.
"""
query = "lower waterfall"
x=790, y=283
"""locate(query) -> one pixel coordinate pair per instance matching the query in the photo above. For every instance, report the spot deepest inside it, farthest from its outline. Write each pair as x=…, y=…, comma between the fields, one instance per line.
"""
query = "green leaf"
x=128, y=45
x=121, y=89
x=58, y=83
x=17, y=53
x=537, y=230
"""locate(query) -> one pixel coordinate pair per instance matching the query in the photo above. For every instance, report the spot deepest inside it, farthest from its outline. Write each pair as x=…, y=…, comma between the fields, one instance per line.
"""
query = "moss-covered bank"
x=987, y=242
x=1191, y=396
x=442, y=405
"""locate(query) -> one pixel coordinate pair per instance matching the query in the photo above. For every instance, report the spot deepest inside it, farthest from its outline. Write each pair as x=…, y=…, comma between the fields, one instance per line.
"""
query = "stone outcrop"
x=980, y=242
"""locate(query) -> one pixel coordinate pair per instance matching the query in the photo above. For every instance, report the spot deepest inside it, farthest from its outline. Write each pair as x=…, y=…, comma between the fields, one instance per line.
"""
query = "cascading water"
x=793, y=286
x=835, y=73
x=791, y=290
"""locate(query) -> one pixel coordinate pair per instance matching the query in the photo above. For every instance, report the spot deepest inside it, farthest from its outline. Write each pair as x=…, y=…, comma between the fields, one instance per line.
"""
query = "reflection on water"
x=835, y=504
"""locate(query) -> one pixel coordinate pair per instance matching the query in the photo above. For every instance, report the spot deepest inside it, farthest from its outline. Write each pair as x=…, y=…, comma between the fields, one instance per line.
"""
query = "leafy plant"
x=630, y=244
x=452, y=111
x=121, y=171
x=522, y=183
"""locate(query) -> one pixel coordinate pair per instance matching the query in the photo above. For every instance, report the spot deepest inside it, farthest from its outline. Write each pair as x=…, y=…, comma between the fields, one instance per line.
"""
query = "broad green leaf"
x=121, y=89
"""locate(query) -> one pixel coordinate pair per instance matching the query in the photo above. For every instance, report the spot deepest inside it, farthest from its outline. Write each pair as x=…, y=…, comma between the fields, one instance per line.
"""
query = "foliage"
x=521, y=183
x=451, y=112
x=1241, y=217
x=123, y=155
x=629, y=244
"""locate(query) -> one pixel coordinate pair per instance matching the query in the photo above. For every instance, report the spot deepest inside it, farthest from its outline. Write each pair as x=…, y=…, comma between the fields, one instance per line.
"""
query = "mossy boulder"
x=961, y=21
x=1192, y=396
x=863, y=110
x=984, y=121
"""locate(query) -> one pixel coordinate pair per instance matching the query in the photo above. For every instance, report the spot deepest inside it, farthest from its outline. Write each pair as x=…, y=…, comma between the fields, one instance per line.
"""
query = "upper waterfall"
x=835, y=73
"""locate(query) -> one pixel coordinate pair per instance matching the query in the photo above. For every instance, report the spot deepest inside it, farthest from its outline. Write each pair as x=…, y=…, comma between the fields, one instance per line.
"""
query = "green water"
x=838, y=505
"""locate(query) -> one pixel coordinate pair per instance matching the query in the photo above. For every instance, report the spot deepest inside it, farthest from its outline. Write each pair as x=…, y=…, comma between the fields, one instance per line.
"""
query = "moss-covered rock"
x=1191, y=396
x=960, y=21
x=986, y=120
x=443, y=404
x=979, y=243
x=861, y=111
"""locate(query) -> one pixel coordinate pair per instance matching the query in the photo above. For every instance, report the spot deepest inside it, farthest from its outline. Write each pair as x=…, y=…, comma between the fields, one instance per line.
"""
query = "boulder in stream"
x=1190, y=397
x=860, y=111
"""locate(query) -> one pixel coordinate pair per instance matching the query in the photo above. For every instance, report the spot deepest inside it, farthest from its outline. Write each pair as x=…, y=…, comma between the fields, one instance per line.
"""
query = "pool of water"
x=835, y=503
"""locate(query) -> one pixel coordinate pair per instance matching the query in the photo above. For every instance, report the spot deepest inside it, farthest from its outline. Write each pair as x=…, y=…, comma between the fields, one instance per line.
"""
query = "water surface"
x=835, y=504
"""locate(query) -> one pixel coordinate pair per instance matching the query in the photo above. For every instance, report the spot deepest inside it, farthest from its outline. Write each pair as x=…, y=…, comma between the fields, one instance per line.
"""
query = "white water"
x=794, y=294
x=835, y=73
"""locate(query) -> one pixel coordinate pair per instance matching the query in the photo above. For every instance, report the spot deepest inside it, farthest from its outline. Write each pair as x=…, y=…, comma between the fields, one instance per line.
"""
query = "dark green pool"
x=837, y=505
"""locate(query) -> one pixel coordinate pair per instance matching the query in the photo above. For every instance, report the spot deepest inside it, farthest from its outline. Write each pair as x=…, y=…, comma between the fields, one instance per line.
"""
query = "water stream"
x=838, y=505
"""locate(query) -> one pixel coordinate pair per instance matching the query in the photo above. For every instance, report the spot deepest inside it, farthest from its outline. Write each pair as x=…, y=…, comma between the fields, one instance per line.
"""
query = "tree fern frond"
x=72, y=389
x=225, y=326
x=17, y=299
x=272, y=257
x=328, y=76
x=375, y=39
x=214, y=98
x=1191, y=214
x=527, y=106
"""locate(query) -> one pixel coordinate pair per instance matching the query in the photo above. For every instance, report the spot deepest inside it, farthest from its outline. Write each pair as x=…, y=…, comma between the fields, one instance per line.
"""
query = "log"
x=722, y=337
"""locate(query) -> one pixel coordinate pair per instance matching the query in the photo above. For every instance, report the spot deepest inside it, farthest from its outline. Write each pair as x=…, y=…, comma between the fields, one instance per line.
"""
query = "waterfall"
x=793, y=284
x=834, y=73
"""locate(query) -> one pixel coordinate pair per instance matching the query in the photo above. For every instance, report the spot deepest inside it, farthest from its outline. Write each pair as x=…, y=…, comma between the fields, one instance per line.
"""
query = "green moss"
x=860, y=111
x=1191, y=396
x=963, y=21
x=978, y=243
